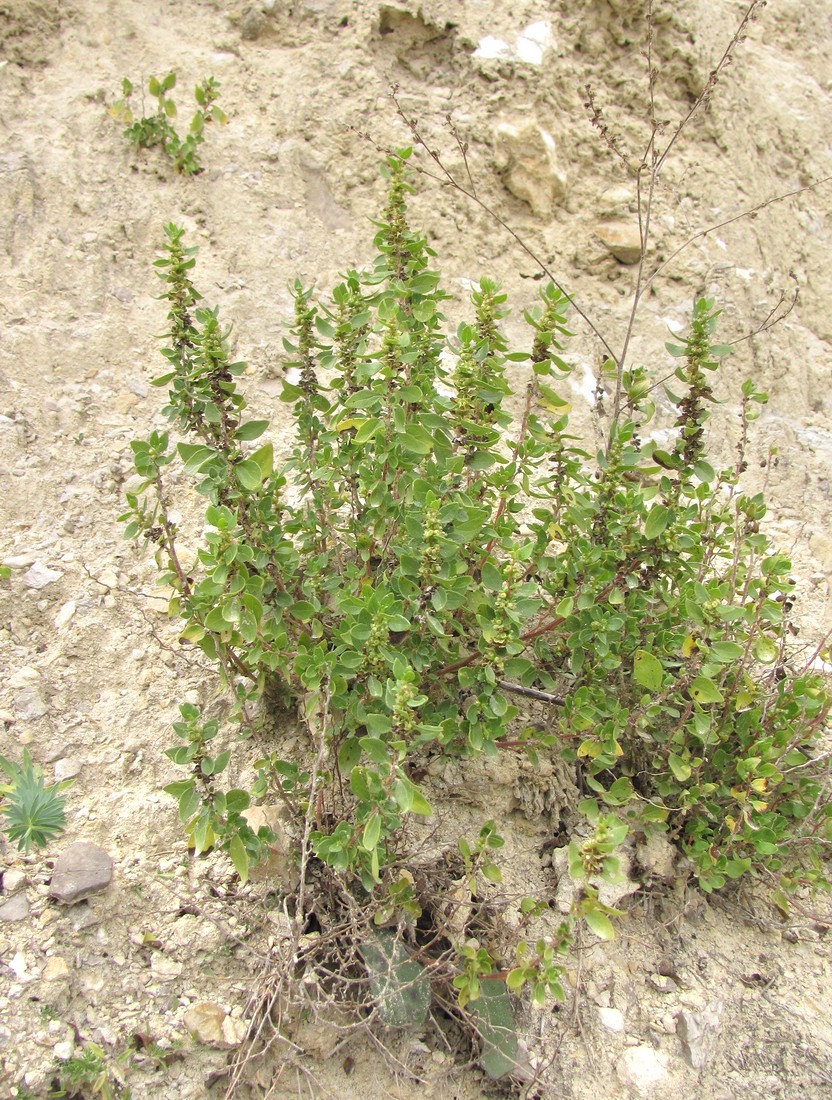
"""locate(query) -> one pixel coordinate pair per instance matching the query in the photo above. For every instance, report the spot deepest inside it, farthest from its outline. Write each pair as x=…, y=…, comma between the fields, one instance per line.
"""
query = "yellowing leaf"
x=647, y=670
x=705, y=691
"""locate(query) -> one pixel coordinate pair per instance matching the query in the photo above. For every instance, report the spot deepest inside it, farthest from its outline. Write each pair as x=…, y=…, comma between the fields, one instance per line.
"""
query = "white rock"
x=18, y=967
x=24, y=677
x=611, y=1018
x=13, y=880
x=642, y=1068
x=527, y=155
x=65, y=614
x=491, y=49
x=529, y=47
x=533, y=42
x=64, y=1050
x=67, y=768
x=19, y=561
x=39, y=576
x=164, y=967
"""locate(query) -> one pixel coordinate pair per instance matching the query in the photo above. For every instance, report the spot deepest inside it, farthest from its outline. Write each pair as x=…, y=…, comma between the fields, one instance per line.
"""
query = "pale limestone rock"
x=13, y=880
x=612, y=1019
x=56, y=969
x=39, y=576
x=698, y=1033
x=642, y=1068
x=211, y=1025
x=621, y=239
x=657, y=857
x=65, y=614
x=616, y=202
x=527, y=156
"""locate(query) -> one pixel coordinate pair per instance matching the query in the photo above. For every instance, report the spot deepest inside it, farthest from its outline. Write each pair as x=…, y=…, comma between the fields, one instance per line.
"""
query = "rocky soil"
x=154, y=961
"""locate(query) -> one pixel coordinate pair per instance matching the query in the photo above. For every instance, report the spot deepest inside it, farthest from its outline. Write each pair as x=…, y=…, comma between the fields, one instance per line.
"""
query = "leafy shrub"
x=422, y=561
x=157, y=129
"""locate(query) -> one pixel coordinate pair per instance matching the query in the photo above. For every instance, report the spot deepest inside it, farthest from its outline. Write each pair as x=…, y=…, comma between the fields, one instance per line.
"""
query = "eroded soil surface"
x=92, y=670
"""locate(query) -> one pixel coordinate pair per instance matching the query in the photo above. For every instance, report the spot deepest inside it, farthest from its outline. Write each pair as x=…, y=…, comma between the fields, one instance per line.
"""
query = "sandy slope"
x=91, y=669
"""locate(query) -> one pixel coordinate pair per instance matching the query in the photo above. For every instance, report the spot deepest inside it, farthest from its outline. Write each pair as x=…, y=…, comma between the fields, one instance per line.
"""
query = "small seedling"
x=94, y=1072
x=157, y=128
x=33, y=812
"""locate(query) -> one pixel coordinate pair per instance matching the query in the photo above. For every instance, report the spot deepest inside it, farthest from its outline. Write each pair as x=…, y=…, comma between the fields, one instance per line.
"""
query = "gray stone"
x=698, y=1033
x=656, y=857
x=39, y=576
x=67, y=768
x=82, y=870
x=526, y=154
x=16, y=908
x=30, y=704
x=252, y=24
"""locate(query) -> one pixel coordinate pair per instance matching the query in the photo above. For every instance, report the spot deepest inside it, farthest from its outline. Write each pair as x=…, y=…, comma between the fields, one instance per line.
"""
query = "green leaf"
x=195, y=456
x=647, y=670
x=657, y=521
x=765, y=650
x=680, y=769
x=372, y=832
x=410, y=798
x=249, y=474
x=423, y=283
x=239, y=857
x=492, y=578
x=348, y=755
x=492, y=872
x=236, y=801
x=620, y=792
x=705, y=691
x=376, y=749
x=252, y=430
x=302, y=611
x=725, y=652
x=416, y=440
x=264, y=457
x=367, y=430
x=599, y=923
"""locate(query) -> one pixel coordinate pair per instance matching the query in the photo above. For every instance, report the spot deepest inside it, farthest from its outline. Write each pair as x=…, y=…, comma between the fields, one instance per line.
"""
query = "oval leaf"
x=657, y=521
x=704, y=691
x=648, y=671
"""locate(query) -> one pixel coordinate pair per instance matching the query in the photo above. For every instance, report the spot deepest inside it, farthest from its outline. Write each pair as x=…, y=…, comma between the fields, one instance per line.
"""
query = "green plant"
x=422, y=562
x=430, y=568
x=157, y=128
x=92, y=1070
x=33, y=812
